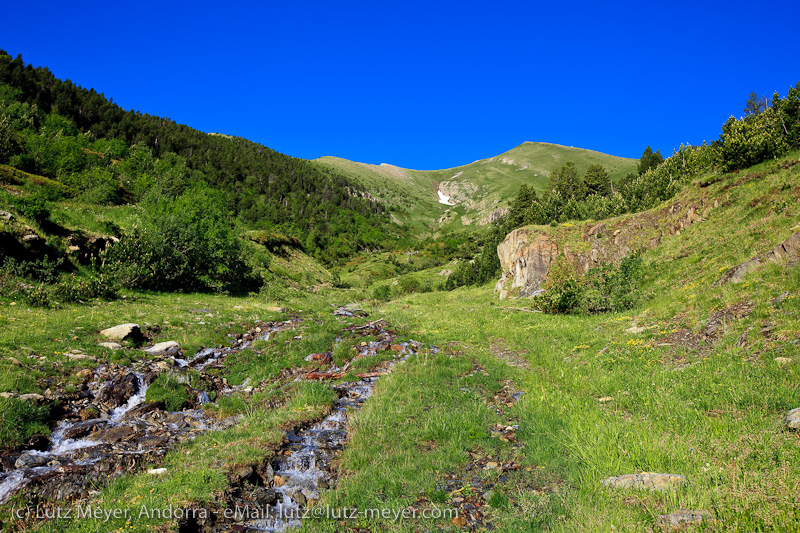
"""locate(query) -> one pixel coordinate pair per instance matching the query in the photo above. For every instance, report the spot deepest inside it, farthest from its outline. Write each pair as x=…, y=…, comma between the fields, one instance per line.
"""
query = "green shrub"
x=564, y=289
x=382, y=292
x=409, y=285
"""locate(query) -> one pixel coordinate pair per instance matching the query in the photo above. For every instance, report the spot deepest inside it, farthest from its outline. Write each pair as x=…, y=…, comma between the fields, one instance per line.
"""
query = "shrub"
x=382, y=292
x=564, y=289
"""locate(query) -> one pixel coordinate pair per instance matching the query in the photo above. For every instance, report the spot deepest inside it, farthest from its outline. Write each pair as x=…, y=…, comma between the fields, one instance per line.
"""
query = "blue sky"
x=423, y=84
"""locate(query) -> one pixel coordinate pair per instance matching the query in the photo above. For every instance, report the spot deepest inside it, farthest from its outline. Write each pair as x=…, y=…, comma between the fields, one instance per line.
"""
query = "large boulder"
x=525, y=259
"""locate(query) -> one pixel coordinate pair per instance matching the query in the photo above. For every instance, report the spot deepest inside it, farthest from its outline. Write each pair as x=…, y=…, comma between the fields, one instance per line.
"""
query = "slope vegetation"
x=478, y=191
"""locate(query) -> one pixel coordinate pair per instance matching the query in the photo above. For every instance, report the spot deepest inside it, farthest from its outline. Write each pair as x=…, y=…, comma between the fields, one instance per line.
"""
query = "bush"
x=382, y=292
x=186, y=243
x=564, y=289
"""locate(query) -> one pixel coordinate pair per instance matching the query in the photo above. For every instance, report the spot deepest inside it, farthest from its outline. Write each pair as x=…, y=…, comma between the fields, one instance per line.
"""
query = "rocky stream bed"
x=107, y=429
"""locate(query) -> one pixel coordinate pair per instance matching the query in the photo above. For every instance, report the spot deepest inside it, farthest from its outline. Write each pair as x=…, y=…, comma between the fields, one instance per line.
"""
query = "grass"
x=593, y=400
x=484, y=185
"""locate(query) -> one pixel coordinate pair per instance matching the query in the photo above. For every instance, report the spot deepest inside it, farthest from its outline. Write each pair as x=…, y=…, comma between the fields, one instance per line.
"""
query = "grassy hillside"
x=478, y=188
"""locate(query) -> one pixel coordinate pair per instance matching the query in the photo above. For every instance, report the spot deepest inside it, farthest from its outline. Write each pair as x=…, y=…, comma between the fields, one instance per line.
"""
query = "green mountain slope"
x=478, y=190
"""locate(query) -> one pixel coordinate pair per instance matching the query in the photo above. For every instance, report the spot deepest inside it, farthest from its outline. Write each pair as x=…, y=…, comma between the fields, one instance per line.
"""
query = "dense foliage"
x=108, y=155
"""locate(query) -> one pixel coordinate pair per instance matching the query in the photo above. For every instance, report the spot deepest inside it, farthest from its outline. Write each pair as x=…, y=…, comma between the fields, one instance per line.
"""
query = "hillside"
x=477, y=190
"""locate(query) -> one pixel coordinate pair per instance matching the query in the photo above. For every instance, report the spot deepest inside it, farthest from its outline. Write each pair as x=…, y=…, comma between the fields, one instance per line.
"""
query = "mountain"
x=473, y=194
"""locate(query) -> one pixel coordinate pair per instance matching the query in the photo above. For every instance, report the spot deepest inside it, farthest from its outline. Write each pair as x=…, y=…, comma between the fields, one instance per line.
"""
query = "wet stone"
x=30, y=460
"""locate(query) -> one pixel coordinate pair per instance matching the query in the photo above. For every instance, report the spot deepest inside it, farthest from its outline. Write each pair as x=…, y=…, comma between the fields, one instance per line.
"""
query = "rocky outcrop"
x=788, y=249
x=525, y=259
x=527, y=253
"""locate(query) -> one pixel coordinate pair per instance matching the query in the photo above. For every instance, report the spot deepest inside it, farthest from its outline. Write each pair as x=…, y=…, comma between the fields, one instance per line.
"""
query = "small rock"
x=32, y=237
x=110, y=345
x=31, y=460
x=459, y=521
x=123, y=332
x=85, y=375
x=80, y=357
x=163, y=349
x=5, y=215
x=31, y=397
x=605, y=399
x=683, y=518
x=635, y=329
x=8, y=395
x=396, y=348
x=157, y=471
x=276, y=309
x=783, y=361
x=14, y=361
x=793, y=419
x=646, y=481
x=113, y=434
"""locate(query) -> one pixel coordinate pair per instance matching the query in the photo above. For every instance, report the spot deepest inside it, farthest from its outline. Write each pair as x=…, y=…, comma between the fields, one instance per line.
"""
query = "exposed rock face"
x=793, y=419
x=527, y=253
x=525, y=259
x=788, y=249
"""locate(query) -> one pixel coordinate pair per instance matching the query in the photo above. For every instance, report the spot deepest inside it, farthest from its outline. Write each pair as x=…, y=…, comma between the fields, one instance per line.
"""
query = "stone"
x=119, y=390
x=113, y=434
x=80, y=357
x=31, y=397
x=121, y=332
x=788, y=249
x=276, y=309
x=646, y=481
x=31, y=237
x=81, y=429
x=31, y=460
x=793, y=419
x=683, y=518
x=605, y=399
x=5, y=215
x=163, y=349
x=85, y=375
x=783, y=361
x=157, y=471
x=526, y=260
x=635, y=329
x=110, y=345
x=8, y=395
x=14, y=361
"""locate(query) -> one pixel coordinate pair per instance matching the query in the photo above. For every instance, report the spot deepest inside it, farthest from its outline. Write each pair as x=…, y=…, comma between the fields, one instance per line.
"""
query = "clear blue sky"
x=423, y=84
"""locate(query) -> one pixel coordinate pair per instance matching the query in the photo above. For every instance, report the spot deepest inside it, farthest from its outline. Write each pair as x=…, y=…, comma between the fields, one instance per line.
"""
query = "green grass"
x=596, y=401
x=485, y=185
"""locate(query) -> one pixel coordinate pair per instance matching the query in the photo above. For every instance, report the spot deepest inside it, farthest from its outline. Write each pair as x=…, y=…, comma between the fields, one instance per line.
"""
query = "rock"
x=14, y=361
x=157, y=471
x=526, y=260
x=88, y=413
x=153, y=441
x=276, y=309
x=113, y=434
x=8, y=395
x=635, y=329
x=39, y=443
x=783, y=361
x=793, y=419
x=646, y=481
x=605, y=399
x=459, y=521
x=31, y=237
x=682, y=518
x=31, y=397
x=788, y=249
x=143, y=409
x=31, y=460
x=5, y=215
x=82, y=429
x=85, y=375
x=163, y=349
x=119, y=390
x=110, y=345
x=130, y=332
x=80, y=357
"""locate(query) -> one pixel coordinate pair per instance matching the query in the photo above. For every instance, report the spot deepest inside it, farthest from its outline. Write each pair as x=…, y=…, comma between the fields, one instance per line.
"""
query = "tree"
x=566, y=181
x=755, y=105
x=525, y=197
x=649, y=160
x=597, y=181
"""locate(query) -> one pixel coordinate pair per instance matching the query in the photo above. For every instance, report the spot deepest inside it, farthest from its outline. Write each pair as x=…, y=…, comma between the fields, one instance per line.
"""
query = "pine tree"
x=597, y=181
